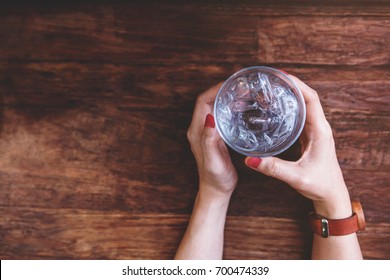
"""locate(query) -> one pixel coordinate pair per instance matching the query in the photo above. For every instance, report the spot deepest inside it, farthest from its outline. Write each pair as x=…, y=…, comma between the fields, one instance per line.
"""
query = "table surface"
x=95, y=101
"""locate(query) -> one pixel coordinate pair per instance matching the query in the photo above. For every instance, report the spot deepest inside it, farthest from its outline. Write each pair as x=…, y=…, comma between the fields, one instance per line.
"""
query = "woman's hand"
x=317, y=174
x=217, y=175
x=204, y=236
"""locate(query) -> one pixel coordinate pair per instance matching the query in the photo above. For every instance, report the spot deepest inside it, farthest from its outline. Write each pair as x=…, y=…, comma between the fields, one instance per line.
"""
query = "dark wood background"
x=96, y=98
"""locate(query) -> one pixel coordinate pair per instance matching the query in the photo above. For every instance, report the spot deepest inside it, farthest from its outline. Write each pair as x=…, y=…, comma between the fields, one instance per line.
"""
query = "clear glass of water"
x=259, y=111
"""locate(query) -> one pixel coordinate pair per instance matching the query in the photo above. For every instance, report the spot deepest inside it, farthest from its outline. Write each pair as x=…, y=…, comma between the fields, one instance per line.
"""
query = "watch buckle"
x=324, y=228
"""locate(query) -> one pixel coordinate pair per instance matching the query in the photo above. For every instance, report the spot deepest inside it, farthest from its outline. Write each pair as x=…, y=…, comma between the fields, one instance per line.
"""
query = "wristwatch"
x=326, y=227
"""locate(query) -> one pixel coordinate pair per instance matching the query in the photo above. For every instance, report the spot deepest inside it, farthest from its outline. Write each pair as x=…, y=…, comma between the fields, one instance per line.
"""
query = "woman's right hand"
x=317, y=174
x=217, y=175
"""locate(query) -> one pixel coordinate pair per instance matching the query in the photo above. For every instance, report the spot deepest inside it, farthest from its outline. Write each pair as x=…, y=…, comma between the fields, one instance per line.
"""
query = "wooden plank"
x=146, y=35
x=73, y=234
x=45, y=88
x=348, y=88
x=217, y=7
x=285, y=8
x=362, y=142
x=107, y=135
x=70, y=234
x=374, y=242
x=114, y=115
x=324, y=40
x=371, y=188
x=138, y=188
x=127, y=35
x=258, y=195
x=272, y=238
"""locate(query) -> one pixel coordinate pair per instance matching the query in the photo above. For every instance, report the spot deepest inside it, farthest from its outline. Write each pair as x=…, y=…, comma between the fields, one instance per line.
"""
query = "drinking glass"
x=259, y=111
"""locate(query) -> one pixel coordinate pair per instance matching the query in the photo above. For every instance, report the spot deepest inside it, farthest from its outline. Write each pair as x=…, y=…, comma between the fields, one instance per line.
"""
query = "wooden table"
x=95, y=101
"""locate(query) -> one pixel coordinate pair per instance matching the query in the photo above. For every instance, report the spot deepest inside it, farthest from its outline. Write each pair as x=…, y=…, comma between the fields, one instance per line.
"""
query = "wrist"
x=341, y=226
x=335, y=208
x=212, y=192
x=211, y=198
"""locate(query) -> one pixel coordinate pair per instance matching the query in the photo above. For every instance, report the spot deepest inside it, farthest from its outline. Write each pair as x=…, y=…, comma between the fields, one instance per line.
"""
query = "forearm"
x=336, y=247
x=203, y=238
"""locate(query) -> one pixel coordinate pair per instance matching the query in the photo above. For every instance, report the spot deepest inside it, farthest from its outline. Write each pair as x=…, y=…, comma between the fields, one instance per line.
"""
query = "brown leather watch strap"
x=326, y=227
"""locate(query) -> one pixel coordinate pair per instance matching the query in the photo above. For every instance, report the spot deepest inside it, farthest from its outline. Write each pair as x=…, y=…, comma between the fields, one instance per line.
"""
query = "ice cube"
x=256, y=120
x=225, y=99
x=289, y=105
x=254, y=83
x=275, y=107
x=268, y=140
x=224, y=112
x=289, y=123
x=242, y=89
x=242, y=106
x=284, y=129
x=246, y=140
x=278, y=91
x=275, y=123
x=227, y=130
x=266, y=88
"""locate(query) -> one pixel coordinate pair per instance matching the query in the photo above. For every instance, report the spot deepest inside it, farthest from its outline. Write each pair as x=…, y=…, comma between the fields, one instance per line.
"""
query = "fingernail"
x=209, y=121
x=284, y=72
x=253, y=162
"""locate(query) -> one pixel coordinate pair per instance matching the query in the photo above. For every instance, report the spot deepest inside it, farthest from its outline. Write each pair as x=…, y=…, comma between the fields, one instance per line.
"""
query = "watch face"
x=358, y=210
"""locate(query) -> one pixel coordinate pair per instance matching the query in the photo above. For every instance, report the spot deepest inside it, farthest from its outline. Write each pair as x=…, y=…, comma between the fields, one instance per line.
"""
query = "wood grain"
x=324, y=40
x=100, y=170
x=81, y=234
x=95, y=101
x=128, y=34
x=133, y=87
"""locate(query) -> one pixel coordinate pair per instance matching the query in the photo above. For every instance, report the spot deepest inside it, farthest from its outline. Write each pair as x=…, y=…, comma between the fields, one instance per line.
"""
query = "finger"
x=314, y=111
x=316, y=126
x=285, y=171
x=204, y=105
x=211, y=145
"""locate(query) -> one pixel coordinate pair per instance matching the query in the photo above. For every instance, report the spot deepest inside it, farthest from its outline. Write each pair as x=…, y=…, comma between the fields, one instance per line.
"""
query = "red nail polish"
x=209, y=121
x=284, y=72
x=253, y=162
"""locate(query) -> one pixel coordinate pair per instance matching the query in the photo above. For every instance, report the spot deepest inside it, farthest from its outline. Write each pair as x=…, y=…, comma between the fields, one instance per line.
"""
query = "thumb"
x=286, y=171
